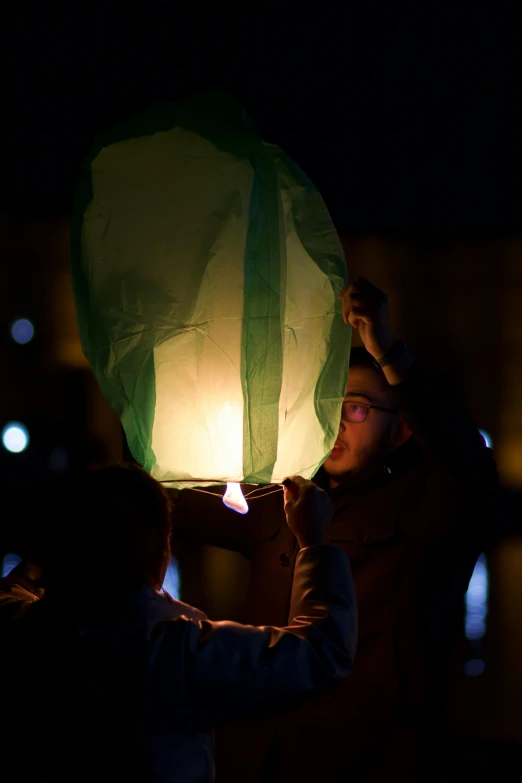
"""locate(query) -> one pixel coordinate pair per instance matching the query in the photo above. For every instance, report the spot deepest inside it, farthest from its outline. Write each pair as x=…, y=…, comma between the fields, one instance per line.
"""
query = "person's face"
x=361, y=447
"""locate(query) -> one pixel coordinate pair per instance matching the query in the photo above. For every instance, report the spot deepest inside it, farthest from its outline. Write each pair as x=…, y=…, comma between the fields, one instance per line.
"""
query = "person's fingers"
x=294, y=487
x=347, y=290
x=358, y=295
x=352, y=319
x=363, y=312
x=363, y=288
x=364, y=299
x=366, y=286
x=297, y=479
x=347, y=302
x=288, y=498
x=288, y=502
x=290, y=489
x=298, y=482
x=363, y=307
x=358, y=314
x=362, y=295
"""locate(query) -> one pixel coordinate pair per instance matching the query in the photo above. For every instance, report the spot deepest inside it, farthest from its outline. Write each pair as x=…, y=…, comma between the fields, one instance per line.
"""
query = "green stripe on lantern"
x=262, y=362
x=324, y=247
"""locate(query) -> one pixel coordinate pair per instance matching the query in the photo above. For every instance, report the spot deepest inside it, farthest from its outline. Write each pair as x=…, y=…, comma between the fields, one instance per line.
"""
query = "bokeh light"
x=10, y=561
x=476, y=601
x=488, y=440
x=15, y=437
x=474, y=667
x=171, y=582
x=22, y=331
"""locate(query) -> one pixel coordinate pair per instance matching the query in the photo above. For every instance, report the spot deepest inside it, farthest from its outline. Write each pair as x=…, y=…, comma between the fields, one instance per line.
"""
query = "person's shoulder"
x=12, y=590
x=14, y=600
x=160, y=605
x=173, y=624
x=180, y=609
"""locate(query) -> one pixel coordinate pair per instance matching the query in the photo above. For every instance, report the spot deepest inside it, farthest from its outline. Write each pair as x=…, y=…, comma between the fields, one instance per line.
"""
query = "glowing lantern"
x=206, y=272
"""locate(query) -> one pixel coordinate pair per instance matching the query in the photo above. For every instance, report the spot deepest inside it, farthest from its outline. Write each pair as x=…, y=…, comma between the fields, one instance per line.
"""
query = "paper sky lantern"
x=206, y=272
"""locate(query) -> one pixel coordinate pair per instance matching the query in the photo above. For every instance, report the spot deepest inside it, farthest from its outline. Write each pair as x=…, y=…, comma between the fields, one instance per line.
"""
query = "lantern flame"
x=234, y=498
x=231, y=431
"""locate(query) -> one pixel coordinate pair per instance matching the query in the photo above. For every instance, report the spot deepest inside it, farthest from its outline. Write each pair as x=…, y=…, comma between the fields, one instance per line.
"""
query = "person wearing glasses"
x=415, y=491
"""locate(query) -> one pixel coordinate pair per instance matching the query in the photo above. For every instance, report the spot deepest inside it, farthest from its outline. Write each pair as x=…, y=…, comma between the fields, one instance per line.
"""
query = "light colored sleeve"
x=233, y=670
x=14, y=601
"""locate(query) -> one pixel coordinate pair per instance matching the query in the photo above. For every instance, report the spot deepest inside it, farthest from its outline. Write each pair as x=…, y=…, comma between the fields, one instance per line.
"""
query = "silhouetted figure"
x=107, y=678
x=415, y=492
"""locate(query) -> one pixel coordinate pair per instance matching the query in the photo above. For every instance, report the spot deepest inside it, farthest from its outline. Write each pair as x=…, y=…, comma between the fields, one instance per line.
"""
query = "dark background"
x=409, y=122
x=407, y=119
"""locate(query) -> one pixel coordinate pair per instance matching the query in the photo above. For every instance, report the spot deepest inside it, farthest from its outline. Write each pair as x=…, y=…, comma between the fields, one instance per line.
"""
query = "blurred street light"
x=15, y=437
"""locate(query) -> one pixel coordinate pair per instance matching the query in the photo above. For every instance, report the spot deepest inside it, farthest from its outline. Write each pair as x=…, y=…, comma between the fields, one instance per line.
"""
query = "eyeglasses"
x=356, y=412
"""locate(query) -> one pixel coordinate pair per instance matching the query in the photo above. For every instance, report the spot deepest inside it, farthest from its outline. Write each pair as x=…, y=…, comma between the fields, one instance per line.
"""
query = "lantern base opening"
x=233, y=498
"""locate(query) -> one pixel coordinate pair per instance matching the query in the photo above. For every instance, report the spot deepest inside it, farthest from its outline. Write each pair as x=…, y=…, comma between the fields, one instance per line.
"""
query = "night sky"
x=408, y=122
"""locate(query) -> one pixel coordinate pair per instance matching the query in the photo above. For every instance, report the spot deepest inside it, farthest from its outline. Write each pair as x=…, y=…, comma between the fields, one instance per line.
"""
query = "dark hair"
x=111, y=522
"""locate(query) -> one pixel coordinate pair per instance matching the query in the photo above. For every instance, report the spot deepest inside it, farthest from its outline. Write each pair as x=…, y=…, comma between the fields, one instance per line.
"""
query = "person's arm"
x=444, y=432
x=231, y=670
x=465, y=472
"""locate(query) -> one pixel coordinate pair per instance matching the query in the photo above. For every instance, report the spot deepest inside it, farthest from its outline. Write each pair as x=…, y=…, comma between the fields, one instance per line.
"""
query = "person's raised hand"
x=308, y=510
x=366, y=308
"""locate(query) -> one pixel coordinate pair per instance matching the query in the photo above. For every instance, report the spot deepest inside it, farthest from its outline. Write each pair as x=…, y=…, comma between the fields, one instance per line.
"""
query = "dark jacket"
x=412, y=535
x=133, y=692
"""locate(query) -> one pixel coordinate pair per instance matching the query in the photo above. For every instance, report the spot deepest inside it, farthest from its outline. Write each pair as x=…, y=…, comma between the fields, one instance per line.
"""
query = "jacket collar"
x=396, y=462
